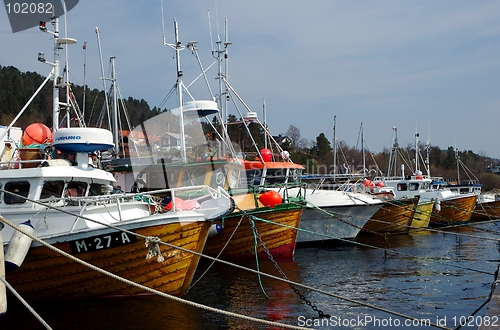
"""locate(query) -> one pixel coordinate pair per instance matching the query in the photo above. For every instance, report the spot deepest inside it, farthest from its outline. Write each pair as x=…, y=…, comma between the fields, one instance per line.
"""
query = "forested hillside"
x=16, y=88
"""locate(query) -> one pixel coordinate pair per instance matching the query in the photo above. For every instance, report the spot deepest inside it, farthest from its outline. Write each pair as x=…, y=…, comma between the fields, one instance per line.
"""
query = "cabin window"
x=253, y=177
x=402, y=187
x=52, y=189
x=98, y=189
x=464, y=190
x=294, y=175
x=413, y=186
x=76, y=189
x=234, y=179
x=194, y=176
x=158, y=180
x=18, y=187
x=276, y=176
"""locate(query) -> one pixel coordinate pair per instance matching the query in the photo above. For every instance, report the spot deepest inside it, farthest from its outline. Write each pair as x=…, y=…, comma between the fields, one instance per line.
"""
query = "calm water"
x=450, y=279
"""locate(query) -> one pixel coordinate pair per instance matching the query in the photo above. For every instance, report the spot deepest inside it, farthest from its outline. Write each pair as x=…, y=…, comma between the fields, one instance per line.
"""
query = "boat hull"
x=457, y=210
x=393, y=217
x=319, y=225
x=276, y=226
x=48, y=274
x=422, y=216
x=486, y=211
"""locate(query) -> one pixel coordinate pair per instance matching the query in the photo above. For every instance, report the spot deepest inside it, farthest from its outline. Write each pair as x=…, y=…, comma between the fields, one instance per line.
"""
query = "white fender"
x=18, y=246
x=215, y=229
x=437, y=205
x=3, y=290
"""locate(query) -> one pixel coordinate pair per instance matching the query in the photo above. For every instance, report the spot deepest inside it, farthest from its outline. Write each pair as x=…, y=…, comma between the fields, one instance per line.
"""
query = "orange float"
x=267, y=155
x=270, y=198
x=37, y=134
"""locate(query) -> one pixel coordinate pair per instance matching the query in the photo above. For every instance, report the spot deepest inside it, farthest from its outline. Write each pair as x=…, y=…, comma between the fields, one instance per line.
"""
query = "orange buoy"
x=380, y=184
x=270, y=198
x=267, y=155
x=368, y=183
x=37, y=134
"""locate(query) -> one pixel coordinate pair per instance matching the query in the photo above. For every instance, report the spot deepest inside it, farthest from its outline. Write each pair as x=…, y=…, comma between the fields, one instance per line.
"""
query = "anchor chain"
x=321, y=314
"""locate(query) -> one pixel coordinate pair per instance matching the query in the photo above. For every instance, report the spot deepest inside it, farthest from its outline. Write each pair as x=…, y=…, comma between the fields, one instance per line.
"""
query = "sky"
x=431, y=67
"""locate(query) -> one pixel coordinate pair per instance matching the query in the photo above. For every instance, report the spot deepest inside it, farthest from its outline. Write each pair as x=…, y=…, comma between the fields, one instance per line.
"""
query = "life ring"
x=220, y=178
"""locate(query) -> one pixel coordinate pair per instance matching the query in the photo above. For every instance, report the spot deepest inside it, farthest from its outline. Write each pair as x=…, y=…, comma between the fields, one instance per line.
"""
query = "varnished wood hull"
x=47, y=274
x=422, y=216
x=486, y=211
x=454, y=211
x=393, y=217
x=279, y=238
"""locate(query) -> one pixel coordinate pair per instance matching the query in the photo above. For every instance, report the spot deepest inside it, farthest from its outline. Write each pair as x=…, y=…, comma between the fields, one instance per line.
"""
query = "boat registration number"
x=101, y=242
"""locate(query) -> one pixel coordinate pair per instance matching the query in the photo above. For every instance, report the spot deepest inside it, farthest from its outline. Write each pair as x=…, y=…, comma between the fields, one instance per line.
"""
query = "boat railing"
x=156, y=198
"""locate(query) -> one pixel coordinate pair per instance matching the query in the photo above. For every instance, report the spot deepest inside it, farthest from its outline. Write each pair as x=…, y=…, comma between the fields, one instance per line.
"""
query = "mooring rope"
x=178, y=299
x=145, y=288
x=439, y=261
x=220, y=252
x=234, y=265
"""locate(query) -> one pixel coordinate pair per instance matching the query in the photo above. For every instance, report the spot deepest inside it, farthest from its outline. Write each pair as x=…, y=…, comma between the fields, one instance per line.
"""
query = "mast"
x=427, y=153
x=115, y=106
x=102, y=72
x=265, y=123
x=392, y=157
x=334, y=146
x=56, y=103
x=416, y=153
x=363, y=148
x=84, y=75
x=178, y=47
x=55, y=96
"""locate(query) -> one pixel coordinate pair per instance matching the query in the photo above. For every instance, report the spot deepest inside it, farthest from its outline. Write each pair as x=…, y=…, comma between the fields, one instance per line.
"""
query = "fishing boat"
x=450, y=208
x=487, y=208
x=212, y=158
x=69, y=234
x=394, y=217
x=422, y=216
x=329, y=215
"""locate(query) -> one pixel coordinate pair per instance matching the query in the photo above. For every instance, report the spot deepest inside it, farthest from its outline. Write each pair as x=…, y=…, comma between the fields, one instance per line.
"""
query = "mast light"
x=42, y=26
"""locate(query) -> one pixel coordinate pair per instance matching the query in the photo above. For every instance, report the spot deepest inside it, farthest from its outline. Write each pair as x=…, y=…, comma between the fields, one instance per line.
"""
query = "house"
x=283, y=141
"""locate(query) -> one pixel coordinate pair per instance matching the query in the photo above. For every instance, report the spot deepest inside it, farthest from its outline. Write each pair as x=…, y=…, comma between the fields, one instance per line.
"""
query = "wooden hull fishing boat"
x=393, y=217
x=46, y=273
x=59, y=206
x=422, y=216
x=450, y=208
x=487, y=210
x=247, y=233
x=454, y=210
